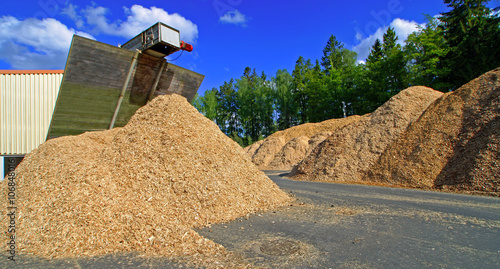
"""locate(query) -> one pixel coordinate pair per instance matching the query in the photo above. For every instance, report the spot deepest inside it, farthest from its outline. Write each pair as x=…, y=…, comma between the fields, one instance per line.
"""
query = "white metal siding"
x=27, y=102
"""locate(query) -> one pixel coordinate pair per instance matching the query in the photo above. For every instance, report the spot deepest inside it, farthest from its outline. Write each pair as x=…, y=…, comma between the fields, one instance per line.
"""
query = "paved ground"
x=354, y=226
x=346, y=226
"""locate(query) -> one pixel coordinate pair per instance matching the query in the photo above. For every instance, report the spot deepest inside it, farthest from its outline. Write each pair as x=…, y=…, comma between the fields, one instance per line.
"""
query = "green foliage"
x=257, y=105
x=375, y=53
x=243, y=142
x=332, y=54
x=472, y=33
x=211, y=104
x=196, y=102
x=389, y=44
x=423, y=51
x=286, y=107
x=386, y=70
x=318, y=97
x=208, y=104
x=228, y=117
x=300, y=81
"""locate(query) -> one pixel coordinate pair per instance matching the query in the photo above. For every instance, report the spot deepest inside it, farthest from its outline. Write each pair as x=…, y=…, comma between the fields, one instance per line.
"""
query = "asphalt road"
x=355, y=226
x=345, y=226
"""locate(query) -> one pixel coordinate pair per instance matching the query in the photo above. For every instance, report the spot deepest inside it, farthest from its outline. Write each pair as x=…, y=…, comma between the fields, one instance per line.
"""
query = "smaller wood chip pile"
x=265, y=153
x=291, y=153
x=346, y=155
x=141, y=188
x=284, y=149
x=454, y=145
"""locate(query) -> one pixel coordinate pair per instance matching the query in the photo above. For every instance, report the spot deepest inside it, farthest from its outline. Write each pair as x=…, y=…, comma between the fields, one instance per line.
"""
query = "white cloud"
x=71, y=11
x=34, y=43
x=96, y=18
x=359, y=36
x=139, y=19
x=234, y=17
x=44, y=44
x=363, y=48
x=403, y=29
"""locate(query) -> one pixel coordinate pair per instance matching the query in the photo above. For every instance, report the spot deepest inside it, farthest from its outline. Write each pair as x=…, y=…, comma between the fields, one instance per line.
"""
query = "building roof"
x=19, y=72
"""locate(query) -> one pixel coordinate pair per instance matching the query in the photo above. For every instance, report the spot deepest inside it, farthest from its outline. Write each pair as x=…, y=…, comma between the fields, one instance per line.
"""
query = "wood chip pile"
x=265, y=153
x=140, y=188
x=284, y=149
x=347, y=154
x=454, y=145
x=291, y=153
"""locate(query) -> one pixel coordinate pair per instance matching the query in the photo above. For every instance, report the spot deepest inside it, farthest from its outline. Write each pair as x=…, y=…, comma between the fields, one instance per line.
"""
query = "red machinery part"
x=186, y=46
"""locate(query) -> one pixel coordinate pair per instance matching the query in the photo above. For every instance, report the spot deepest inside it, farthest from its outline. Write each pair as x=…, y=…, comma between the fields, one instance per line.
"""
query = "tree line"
x=449, y=51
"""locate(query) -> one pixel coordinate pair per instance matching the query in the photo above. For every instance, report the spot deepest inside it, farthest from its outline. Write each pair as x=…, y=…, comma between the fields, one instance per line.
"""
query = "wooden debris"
x=284, y=149
x=454, y=145
x=347, y=154
x=143, y=187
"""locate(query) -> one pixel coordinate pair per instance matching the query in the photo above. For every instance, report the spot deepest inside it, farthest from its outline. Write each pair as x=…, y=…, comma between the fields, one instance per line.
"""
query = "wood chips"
x=284, y=149
x=454, y=145
x=347, y=154
x=140, y=188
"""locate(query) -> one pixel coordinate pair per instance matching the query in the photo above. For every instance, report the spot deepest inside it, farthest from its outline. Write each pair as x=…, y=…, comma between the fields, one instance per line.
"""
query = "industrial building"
x=27, y=100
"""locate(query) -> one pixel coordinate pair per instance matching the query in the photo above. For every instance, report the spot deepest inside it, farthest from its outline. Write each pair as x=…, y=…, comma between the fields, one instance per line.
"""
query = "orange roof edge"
x=19, y=72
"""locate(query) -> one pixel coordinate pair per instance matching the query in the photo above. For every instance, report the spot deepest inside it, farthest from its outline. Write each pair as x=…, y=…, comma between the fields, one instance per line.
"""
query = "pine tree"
x=472, y=32
x=389, y=44
x=302, y=67
x=286, y=108
x=393, y=64
x=375, y=53
x=423, y=51
x=332, y=55
x=386, y=70
x=228, y=118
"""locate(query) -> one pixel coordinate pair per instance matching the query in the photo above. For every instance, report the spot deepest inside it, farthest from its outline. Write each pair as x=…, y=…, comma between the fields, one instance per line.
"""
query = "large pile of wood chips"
x=284, y=149
x=454, y=145
x=347, y=154
x=140, y=188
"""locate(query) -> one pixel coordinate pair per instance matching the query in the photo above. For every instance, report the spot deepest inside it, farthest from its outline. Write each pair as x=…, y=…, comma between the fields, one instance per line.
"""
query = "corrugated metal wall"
x=27, y=99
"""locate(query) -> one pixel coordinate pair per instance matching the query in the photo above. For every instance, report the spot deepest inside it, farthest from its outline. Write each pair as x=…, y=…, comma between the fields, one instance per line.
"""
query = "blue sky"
x=227, y=35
